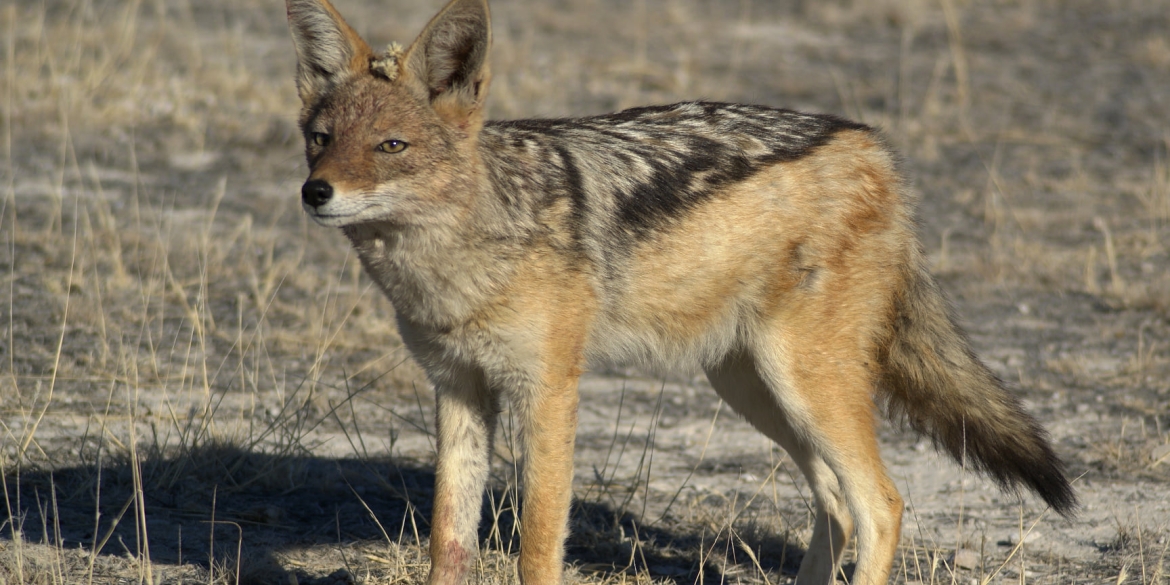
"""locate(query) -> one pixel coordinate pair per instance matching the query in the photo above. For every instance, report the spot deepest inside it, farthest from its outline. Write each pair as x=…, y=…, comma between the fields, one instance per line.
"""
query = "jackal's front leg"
x=466, y=420
x=550, y=426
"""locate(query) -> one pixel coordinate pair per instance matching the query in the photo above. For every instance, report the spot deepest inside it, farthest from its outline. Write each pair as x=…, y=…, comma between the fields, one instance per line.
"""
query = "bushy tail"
x=933, y=380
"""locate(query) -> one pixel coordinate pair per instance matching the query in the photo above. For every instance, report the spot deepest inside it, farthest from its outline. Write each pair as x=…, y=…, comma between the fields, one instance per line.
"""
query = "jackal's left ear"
x=450, y=58
x=328, y=49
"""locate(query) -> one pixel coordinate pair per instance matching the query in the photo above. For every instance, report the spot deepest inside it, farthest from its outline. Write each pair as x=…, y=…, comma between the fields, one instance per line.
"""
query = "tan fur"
x=774, y=250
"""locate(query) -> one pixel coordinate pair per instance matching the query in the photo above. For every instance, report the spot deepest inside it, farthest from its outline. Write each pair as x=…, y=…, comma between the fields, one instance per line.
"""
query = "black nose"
x=316, y=193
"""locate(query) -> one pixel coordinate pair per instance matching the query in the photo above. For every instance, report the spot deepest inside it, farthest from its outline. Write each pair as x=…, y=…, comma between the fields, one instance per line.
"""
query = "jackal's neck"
x=433, y=276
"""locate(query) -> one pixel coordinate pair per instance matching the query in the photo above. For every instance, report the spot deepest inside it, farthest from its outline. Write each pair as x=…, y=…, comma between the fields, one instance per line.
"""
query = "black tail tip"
x=1063, y=499
x=1050, y=483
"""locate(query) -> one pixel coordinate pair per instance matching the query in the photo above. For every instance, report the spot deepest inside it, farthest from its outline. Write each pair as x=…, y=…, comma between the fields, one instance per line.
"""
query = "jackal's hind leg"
x=825, y=394
x=738, y=383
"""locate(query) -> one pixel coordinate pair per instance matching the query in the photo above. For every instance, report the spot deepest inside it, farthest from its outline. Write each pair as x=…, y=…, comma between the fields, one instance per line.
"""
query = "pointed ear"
x=450, y=58
x=328, y=50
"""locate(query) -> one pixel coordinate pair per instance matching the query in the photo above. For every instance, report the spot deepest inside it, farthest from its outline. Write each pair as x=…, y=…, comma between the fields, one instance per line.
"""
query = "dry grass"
x=198, y=386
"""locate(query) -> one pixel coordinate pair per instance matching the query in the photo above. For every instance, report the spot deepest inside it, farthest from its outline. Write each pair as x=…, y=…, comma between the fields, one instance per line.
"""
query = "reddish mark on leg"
x=449, y=566
x=455, y=554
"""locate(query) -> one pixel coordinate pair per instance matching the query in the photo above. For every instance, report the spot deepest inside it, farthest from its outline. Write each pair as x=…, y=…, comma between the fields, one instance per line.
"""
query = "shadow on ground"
x=212, y=505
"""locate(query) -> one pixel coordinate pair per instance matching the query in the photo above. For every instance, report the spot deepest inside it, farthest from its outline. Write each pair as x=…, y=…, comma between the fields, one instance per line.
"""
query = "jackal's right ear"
x=328, y=50
x=450, y=58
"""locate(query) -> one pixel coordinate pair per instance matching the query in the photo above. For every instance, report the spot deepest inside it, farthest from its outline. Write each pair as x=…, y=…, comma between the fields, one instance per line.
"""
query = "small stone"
x=1160, y=454
x=965, y=558
x=193, y=161
x=1030, y=537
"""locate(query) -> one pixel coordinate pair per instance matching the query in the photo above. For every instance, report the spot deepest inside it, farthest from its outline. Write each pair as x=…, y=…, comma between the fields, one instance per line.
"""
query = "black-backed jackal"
x=775, y=250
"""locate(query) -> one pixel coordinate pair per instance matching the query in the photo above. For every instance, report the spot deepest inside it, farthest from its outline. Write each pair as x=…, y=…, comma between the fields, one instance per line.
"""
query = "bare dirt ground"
x=197, y=385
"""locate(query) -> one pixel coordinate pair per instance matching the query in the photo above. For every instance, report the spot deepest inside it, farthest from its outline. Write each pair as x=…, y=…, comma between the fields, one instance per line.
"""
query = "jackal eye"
x=392, y=146
x=320, y=138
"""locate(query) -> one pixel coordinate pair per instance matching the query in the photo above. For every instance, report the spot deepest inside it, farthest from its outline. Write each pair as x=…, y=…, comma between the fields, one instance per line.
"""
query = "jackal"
x=773, y=249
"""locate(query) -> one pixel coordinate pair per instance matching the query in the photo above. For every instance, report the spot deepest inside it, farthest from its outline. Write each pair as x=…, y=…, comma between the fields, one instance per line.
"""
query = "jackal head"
x=390, y=137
